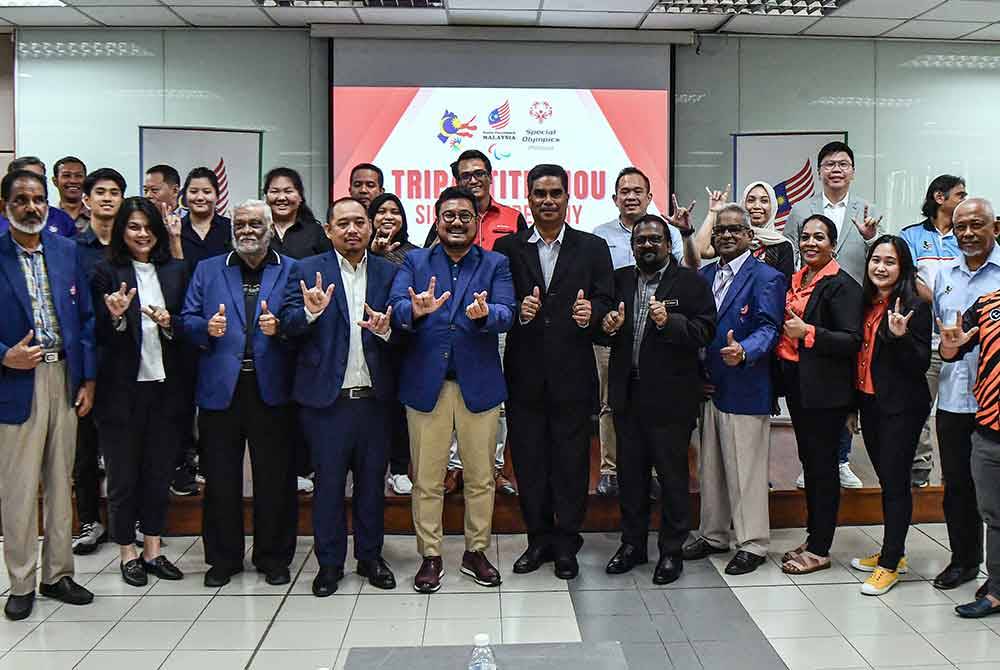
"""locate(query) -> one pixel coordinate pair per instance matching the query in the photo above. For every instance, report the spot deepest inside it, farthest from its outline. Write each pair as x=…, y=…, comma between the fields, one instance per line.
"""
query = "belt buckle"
x=247, y=365
x=50, y=356
x=354, y=393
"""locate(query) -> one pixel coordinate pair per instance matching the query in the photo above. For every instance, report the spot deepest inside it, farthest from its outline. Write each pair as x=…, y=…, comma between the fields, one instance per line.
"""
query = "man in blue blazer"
x=243, y=395
x=451, y=378
x=46, y=383
x=736, y=421
x=335, y=308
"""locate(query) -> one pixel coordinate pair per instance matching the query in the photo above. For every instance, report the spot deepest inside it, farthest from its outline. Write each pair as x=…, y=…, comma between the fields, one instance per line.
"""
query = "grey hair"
x=736, y=208
x=968, y=202
x=253, y=203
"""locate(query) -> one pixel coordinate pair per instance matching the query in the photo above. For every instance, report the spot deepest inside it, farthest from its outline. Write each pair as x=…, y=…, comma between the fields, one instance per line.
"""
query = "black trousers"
x=891, y=442
x=140, y=454
x=399, y=440
x=643, y=444
x=961, y=513
x=86, y=483
x=224, y=435
x=189, y=447
x=550, y=447
x=817, y=435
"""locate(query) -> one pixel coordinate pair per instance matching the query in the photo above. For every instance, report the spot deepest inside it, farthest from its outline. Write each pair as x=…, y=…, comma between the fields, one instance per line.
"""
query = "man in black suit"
x=563, y=285
x=665, y=314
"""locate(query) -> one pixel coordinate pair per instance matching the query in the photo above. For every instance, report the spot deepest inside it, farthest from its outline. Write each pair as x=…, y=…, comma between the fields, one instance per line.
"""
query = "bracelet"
x=687, y=232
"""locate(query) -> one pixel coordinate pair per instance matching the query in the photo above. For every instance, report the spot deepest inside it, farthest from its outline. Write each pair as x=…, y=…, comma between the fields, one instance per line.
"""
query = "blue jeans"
x=844, y=446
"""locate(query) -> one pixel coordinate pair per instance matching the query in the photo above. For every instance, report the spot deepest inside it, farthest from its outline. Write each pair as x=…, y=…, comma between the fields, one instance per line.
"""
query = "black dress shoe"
x=325, y=582
x=134, y=573
x=566, y=567
x=627, y=557
x=67, y=591
x=954, y=576
x=700, y=548
x=978, y=609
x=219, y=575
x=378, y=573
x=277, y=576
x=19, y=607
x=744, y=563
x=668, y=569
x=532, y=559
x=162, y=568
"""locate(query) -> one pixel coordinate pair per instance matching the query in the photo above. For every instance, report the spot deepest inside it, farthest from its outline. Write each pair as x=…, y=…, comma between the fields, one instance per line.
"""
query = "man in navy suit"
x=344, y=386
x=736, y=421
x=244, y=390
x=451, y=378
x=46, y=382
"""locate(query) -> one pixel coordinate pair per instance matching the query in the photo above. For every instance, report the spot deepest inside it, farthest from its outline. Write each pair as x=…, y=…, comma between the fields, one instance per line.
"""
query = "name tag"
x=671, y=302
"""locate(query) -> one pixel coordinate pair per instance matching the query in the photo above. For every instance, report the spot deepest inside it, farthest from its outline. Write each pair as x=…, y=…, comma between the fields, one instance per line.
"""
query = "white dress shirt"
x=150, y=295
x=836, y=211
x=724, y=277
x=548, y=252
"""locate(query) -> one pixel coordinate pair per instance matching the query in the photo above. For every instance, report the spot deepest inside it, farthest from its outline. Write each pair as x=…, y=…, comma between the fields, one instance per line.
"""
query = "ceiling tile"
x=134, y=16
x=303, y=16
x=493, y=4
x=591, y=19
x=44, y=16
x=674, y=21
x=941, y=30
x=966, y=10
x=599, y=5
x=885, y=9
x=768, y=25
x=988, y=33
x=223, y=16
x=404, y=16
x=195, y=3
x=842, y=27
x=482, y=17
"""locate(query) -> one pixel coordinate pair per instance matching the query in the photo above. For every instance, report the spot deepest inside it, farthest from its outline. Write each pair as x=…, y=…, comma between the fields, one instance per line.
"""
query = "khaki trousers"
x=39, y=451
x=430, y=439
x=734, y=455
x=606, y=424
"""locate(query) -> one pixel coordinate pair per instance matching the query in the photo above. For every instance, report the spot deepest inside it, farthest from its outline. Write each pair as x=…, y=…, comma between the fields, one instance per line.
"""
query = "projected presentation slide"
x=414, y=134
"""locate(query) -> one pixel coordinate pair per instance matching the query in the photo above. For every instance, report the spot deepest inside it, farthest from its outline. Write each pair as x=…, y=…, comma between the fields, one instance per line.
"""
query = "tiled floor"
x=706, y=620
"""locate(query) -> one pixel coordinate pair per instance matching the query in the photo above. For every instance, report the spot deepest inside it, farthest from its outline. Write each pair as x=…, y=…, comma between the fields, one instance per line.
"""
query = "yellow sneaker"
x=869, y=563
x=881, y=581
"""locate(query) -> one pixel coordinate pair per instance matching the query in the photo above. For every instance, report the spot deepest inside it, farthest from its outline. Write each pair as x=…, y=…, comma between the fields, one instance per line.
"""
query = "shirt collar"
x=830, y=269
x=271, y=258
x=88, y=238
x=37, y=250
x=842, y=203
x=535, y=237
x=346, y=266
x=993, y=258
x=737, y=262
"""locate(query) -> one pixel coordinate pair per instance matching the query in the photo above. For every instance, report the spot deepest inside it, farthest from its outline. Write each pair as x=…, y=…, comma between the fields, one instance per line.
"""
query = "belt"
x=357, y=393
x=451, y=375
x=634, y=374
x=247, y=365
x=53, y=356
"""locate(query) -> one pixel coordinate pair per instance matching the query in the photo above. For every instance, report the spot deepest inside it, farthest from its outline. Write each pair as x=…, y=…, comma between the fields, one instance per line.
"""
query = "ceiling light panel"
x=768, y=7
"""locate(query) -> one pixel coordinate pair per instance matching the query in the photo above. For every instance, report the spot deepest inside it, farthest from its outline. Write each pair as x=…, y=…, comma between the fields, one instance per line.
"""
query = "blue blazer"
x=215, y=283
x=71, y=298
x=448, y=331
x=754, y=310
x=323, y=345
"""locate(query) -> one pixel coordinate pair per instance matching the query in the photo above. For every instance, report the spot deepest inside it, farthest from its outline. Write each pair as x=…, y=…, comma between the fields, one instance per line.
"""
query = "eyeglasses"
x=719, y=231
x=843, y=165
x=465, y=216
x=648, y=240
x=479, y=175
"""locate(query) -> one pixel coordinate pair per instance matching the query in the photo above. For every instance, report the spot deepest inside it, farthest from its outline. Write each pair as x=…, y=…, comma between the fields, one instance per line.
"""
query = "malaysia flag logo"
x=500, y=117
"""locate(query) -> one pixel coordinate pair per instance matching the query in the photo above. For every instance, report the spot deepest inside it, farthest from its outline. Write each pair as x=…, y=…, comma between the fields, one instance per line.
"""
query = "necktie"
x=722, y=279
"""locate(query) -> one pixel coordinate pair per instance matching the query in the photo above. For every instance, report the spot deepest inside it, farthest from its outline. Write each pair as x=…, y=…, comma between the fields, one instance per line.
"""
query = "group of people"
x=341, y=347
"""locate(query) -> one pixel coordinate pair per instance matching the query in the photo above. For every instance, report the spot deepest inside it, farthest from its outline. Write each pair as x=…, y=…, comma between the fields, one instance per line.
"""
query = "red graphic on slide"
x=220, y=173
x=453, y=130
x=540, y=110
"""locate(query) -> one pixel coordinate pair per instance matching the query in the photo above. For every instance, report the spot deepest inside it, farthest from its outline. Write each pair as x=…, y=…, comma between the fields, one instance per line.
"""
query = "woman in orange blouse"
x=892, y=395
x=817, y=353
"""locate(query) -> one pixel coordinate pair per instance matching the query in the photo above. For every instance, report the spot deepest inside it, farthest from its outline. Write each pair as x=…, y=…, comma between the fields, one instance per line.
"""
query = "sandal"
x=806, y=563
x=792, y=554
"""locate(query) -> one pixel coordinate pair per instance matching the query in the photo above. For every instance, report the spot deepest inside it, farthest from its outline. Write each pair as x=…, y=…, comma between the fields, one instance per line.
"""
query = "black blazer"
x=118, y=352
x=670, y=378
x=551, y=350
x=826, y=370
x=899, y=364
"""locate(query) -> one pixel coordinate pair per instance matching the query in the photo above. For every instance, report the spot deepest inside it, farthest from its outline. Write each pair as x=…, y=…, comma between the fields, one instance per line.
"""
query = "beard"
x=649, y=263
x=27, y=227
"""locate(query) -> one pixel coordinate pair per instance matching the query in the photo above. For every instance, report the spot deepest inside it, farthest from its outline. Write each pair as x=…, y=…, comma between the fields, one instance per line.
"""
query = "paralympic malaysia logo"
x=497, y=152
x=452, y=129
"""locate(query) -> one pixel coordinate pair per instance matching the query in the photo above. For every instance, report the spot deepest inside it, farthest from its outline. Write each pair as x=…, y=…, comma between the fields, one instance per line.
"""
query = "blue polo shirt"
x=930, y=249
x=58, y=223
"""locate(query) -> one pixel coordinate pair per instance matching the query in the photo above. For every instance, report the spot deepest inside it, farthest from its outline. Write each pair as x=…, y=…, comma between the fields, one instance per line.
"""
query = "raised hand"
x=159, y=315
x=717, y=199
x=530, y=305
x=953, y=337
x=268, y=322
x=377, y=322
x=23, y=356
x=794, y=328
x=732, y=354
x=217, y=324
x=316, y=299
x=478, y=309
x=682, y=215
x=381, y=244
x=658, y=312
x=425, y=303
x=119, y=301
x=614, y=320
x=897, y=322
x=173, y=224
x=869, y=226
x=582, y=310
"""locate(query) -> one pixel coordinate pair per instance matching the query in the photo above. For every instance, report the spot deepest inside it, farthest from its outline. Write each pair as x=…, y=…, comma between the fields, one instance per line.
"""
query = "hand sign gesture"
x=158, y=314
x=425, y=303
x=658, y=312
x=869, y=226
x=217, y=324
x=119, y=301
x=173, y=224
x=682, y=215
x=581, y=310
x=479, y=309
x=614, y=320
x=381, y=244
x=732, y=354
x=717, y=199
x=268, y=322
x=897, y=322
x=795, y=327
x=315, y=298
x=23, y=356
x=953, y=337
x=377, y=322
x=530, y=305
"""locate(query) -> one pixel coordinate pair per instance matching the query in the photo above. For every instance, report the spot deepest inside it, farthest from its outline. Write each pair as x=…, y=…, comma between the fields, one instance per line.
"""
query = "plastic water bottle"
x=482, y=655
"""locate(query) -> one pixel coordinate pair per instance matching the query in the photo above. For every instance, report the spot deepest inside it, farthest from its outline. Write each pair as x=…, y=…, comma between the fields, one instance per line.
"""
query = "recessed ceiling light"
x=353, y=4
x=765, y=7
x=32, y=3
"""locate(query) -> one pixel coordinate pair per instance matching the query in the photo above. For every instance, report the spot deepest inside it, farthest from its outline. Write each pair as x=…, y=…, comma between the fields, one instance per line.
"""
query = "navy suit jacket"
x=448, y=331
x=754, y=309
x=216, y=283
x=71, y=298
x=324, y=344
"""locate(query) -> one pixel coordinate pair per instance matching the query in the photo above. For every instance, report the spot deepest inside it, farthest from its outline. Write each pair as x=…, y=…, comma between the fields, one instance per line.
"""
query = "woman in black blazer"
x=893, y=397
x=138, y=296
x=817, y=353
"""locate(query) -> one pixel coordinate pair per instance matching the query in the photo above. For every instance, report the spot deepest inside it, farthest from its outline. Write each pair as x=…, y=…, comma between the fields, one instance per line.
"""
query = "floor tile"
x=905, y=650
x=765, y=599
x=12, y=632
x=971, y=647
x=391, y=607
x=525, y=630
x=223, y=635
x=252, y=583
x=326, y=634
x=794, y=623
x=539, y=580
x=207, y=660
x=608, y=602
x=169, y=608
x=123, y=660
x=700, y=625
x=464, y=605
x=311, y=608
x=350, y=584
x=384, y=633
x=937, y=619
x=683, y=656
x=64, y=636
x=832, y=597
x=111, y=584
x=655, y=601
x=621, y=628
x=915, y=593
x=768, y=574
x=645, y=655
x=550, y=605
x=719, y=655
x=460, y=631
x=108, y=608
x=285, y=659
x=669, y=628
x=241, y=608
x=40, y=660
x=137, y=635
x=811, y=653
x=867, y=621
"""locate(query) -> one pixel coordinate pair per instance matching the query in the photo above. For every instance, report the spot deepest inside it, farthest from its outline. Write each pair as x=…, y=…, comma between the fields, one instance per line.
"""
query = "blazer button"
x=452, y=327
x=446, y=354
x=548, y=321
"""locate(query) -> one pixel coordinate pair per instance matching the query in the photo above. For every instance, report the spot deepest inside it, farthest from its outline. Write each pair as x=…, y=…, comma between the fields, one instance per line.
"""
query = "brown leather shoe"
x=453, y=482
x=428, y=579
x=476, y=565
x=503, y=485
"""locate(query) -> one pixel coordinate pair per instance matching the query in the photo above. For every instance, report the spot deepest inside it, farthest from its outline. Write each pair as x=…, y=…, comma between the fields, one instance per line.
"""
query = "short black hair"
x=346, y=198
x=650, y=218
x=117, y=249
x=548, y=170
x=373, y=168
x=831, y=227
x=304, y=214
x=834, y=148
x=66, y=160
x=471, y=155
x=942, y=183
x=455, y=193
x=7, y=185
x=22, y=162
x=169, y=174
x=103, y=174
x=631, y=169
x=201, y=173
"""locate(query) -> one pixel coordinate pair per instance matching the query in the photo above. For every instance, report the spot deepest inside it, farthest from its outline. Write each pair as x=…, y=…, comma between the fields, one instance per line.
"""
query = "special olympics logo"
x=452, y=130
x=540, y=110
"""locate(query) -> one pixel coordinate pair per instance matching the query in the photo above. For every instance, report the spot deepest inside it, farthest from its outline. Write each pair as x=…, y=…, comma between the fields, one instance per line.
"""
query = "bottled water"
x=482, y=655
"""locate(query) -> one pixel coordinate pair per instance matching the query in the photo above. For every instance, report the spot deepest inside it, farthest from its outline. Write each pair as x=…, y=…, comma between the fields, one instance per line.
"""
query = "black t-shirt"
x=219, y=240
x=302, y=239
x=251, y=294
